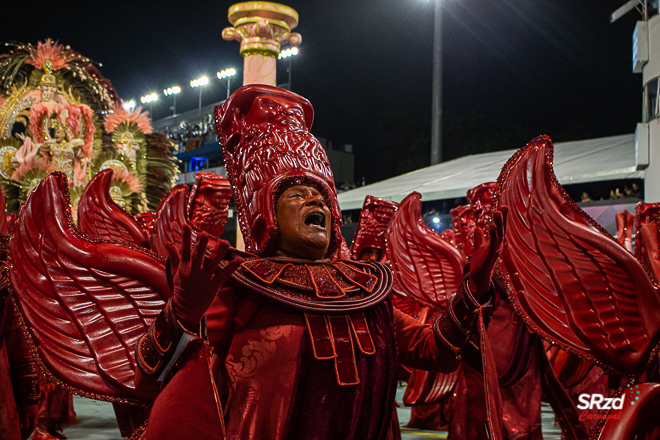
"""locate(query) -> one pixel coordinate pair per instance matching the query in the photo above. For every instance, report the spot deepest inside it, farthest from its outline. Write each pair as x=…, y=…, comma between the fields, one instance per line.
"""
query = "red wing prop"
x=84, y=303
x=206, y=209
x=644, y=213
x=170, y=219
x=650, y=254
x=574, y=284
x=625, y=222
x=427, y=268
x=100, y=217
x=639, y=421
x=569, y=369
x=429, y=387
x=407, y=305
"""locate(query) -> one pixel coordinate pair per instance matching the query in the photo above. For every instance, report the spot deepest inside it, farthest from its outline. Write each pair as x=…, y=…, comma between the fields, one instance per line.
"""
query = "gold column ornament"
x=261, y=28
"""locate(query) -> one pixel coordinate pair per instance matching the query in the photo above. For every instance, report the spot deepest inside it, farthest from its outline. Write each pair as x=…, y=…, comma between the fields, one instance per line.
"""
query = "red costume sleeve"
x=24, y=372
x=17, y=347
x=417, y=346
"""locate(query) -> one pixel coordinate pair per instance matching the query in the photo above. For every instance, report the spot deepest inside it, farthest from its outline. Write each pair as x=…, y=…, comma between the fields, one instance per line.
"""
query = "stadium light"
x=227, y=74
x=288, y=53
x=129, y=105
x=149, y=99
x=173, y=91
x=198, y=83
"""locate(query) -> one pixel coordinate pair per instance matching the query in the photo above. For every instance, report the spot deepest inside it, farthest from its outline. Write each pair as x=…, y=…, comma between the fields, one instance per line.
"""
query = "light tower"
x=261, y=28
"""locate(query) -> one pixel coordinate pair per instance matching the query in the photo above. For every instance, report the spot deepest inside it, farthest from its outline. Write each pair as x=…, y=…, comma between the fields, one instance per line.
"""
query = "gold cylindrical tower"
x=261, y=28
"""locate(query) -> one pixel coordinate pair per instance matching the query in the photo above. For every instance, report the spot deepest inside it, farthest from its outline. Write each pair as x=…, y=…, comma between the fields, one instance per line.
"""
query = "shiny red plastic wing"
x=429, y=387
x=100, y=217
x=574, y=284
x=170, y=219
x=650, y=254
x=427, y=267
x=405, y=304
x=84, y=303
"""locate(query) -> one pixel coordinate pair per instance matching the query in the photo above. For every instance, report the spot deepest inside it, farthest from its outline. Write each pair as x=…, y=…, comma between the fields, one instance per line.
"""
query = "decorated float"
x=58, y=113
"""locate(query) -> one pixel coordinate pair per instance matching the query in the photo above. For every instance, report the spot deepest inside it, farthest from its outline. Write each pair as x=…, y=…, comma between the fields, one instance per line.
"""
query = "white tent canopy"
x=592, y=160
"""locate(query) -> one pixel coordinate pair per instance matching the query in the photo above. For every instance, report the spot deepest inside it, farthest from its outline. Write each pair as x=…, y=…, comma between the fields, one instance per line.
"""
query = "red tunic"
x=263, y=388
x=13, y=348
x=291, y=374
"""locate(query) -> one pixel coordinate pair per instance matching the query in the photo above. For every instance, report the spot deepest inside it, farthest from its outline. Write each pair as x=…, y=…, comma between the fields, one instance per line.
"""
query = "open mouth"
x=316, y=218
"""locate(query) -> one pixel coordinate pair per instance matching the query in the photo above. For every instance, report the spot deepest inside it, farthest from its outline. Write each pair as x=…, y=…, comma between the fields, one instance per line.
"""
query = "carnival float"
x=58, y=113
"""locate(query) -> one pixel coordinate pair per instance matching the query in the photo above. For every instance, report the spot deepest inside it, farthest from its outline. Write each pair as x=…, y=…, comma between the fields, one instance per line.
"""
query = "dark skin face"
x=304, y=222
x=370, y=254
x=277, y=111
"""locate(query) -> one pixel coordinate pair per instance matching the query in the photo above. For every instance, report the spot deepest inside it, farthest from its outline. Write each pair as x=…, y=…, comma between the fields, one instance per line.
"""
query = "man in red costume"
x=309, y=344
x=19, y=387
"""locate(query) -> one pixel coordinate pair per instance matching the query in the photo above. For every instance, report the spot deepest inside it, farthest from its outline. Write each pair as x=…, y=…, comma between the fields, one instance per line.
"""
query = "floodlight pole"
x=436, y=114
x=290, y=88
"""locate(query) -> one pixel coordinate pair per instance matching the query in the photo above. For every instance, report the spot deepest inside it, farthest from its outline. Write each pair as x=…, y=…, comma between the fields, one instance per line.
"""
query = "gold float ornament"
x=58, y=113
x=262, y=27
x=116, y=166
x=7, y=161
x=127, y=146
x=33, y=184
x=48, y=84
x=16, y=103
x=117, y=196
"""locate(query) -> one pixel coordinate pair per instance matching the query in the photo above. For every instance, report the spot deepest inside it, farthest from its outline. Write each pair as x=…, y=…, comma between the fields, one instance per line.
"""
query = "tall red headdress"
x=263, y=157
x=372, y=226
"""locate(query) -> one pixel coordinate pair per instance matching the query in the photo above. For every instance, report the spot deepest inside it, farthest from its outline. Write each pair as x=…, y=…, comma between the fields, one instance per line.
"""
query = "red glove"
x=27, y=414
x=198, y=277
x=487, y=249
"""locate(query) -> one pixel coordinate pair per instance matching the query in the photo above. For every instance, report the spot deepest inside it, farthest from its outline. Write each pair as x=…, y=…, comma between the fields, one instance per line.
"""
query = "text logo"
x=598, y=401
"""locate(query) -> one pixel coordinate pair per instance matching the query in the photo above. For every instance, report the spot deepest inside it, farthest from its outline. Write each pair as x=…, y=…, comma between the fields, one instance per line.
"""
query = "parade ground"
x=97, y=422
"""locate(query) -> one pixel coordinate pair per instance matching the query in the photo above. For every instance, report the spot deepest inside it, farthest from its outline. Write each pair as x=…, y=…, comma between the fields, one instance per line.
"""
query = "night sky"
x=513, y=69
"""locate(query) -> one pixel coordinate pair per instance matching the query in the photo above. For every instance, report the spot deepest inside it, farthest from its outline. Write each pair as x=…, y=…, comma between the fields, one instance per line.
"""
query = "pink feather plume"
x=120, y=114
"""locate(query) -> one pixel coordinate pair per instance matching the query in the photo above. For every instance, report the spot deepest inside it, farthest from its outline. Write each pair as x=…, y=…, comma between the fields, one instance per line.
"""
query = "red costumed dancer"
x=309, y=345
x=369, y=244
x=515, y=351
x=19, y=387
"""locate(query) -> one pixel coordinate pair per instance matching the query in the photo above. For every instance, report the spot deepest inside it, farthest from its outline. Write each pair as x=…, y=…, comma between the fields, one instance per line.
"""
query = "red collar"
x=322, y=287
